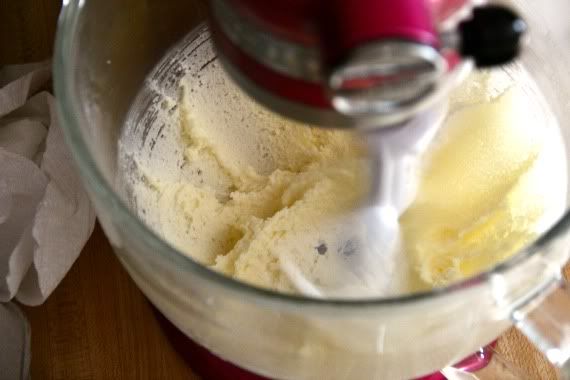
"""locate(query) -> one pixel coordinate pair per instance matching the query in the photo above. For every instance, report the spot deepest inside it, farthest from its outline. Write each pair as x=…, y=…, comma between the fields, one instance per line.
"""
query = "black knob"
x=492, y=36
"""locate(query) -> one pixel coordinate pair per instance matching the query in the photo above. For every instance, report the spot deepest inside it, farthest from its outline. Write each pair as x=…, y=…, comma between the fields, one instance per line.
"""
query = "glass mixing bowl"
x=104, y=51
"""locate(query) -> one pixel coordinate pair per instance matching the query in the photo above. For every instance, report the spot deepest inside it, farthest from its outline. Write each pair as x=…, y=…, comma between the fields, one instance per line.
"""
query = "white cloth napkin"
x=45, y=215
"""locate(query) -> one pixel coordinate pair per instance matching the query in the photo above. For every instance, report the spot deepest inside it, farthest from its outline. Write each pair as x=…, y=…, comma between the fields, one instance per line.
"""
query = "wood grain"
x=27, y=29
x=97, y=324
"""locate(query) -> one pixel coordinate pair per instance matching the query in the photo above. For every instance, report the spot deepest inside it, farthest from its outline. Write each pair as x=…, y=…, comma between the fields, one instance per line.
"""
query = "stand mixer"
x=374, y=66
x=382, y=69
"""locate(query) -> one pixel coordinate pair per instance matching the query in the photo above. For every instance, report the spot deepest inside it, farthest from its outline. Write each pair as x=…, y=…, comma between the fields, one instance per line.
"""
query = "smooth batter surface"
x=494, y=180
x=263, y=196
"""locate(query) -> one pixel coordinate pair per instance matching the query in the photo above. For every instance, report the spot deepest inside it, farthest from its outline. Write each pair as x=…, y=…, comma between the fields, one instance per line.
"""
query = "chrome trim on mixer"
x=329, y=118
x=283, y=56
x=385, y=77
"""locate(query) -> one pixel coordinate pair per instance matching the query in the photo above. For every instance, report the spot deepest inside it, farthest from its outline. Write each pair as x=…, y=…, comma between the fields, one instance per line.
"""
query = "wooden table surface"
x=97, y=324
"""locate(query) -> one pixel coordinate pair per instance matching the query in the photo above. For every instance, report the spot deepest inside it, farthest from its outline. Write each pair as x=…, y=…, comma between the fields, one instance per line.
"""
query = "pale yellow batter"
x=495, y=180
x=260, y=190
x=262, y=196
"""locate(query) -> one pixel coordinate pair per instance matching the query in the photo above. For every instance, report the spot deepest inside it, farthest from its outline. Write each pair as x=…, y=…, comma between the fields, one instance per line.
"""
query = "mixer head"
x=364, y=64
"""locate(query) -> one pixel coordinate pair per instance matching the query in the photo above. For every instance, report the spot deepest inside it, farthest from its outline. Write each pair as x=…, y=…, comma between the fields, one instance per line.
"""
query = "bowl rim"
x=68, y=113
